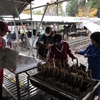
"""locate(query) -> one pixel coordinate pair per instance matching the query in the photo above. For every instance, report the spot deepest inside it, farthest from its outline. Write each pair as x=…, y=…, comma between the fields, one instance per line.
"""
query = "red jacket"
x=1, y=70
x=61, y=52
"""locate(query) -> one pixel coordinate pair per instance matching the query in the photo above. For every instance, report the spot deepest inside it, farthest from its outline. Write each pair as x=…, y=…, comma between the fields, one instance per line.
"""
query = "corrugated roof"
x=7, y=7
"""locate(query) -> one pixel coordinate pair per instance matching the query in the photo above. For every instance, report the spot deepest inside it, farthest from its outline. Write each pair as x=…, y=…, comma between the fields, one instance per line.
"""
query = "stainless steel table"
x=25, y=63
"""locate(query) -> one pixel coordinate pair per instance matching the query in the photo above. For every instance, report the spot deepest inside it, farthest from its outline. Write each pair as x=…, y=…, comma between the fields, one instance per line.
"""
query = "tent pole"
x=57, y=15
x=39, y=25
x=16, y=30
x=31, y=31
x=22, y=26
x=49, y=4
x=43, y=14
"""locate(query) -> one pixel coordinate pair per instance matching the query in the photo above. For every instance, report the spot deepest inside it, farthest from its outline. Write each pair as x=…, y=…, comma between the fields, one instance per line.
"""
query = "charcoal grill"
x=65, y=84
x=62, y=92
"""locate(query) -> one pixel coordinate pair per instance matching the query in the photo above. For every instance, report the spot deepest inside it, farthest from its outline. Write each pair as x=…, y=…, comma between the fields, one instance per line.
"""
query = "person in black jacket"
x=45, y=43
x=10, y=38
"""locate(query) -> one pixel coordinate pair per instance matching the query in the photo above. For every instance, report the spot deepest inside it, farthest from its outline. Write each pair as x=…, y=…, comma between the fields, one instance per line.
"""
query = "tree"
x=52, y=10
x=26, y=11
x=93, y=12
x=38, y=12
x=82, y=9
x=95, y=4
x=71, y=8
x=80, y=13
x=86, y=11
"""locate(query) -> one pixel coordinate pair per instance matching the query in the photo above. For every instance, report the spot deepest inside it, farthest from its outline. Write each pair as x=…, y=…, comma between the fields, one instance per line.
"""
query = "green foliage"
x=71, y=8
x=60, y=10
x=95, y=4
x=38, y=12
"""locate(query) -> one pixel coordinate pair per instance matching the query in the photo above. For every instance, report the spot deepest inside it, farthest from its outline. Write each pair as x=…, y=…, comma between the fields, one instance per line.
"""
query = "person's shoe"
x=96, y=98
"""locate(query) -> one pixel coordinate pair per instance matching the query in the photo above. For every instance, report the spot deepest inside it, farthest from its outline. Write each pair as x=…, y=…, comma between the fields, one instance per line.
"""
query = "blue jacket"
x=93, y=55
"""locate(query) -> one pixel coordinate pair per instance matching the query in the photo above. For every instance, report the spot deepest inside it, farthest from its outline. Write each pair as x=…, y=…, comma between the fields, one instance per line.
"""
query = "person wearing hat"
x=60, y=49
x=92, y=52
x=3, y=30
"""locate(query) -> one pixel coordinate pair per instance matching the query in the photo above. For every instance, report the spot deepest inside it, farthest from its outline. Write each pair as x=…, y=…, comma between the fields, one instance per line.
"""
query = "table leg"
x=28, y=88
x=17, y=85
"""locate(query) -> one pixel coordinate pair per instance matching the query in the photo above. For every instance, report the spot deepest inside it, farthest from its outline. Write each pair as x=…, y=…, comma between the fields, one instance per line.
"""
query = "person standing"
x=3, y=30
x=45, y=43
x=9, y=38
x=60, y=50
x=65, y=31
x=92, y=52
x=14, y=35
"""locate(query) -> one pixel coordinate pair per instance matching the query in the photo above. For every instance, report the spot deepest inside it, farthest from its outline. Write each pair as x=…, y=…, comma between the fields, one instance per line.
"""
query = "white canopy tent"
x=16, y=11
x=93, y=24
x=51, y=18
x=12, y=9
x=8, y=7
x=88, y=22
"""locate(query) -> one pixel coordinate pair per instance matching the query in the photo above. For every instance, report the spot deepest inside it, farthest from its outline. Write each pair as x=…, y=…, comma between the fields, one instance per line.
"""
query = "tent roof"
x=47, y=20
x=7, y=7
x=37, y=18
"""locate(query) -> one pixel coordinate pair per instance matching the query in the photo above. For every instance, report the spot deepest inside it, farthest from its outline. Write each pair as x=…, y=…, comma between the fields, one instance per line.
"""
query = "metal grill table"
x=62, y=93
x=11, y=86
x=18, y=88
